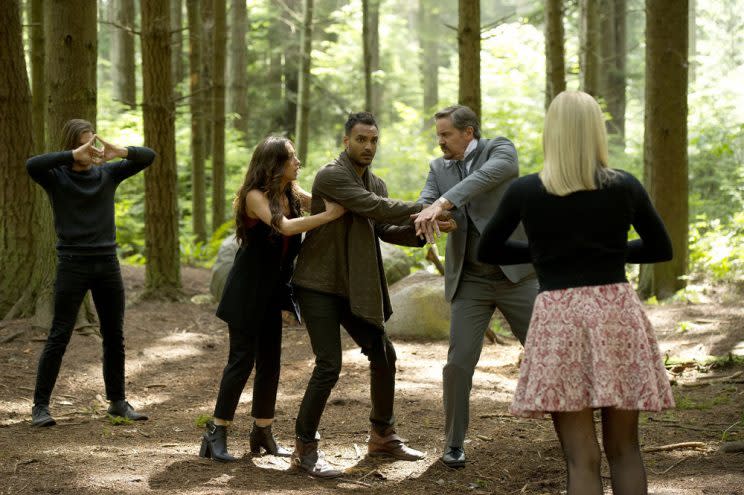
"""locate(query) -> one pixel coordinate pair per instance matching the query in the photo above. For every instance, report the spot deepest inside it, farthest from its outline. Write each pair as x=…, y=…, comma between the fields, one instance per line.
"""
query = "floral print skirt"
x=590, y=347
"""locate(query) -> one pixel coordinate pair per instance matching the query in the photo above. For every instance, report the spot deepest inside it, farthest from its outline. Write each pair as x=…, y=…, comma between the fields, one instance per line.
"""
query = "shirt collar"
x=468, y=151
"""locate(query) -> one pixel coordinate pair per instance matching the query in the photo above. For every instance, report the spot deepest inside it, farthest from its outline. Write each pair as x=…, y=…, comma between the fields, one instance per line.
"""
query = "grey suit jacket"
x=493, y=167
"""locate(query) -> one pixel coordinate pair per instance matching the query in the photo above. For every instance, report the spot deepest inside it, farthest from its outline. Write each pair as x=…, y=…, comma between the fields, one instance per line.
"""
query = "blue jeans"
x=75, y=276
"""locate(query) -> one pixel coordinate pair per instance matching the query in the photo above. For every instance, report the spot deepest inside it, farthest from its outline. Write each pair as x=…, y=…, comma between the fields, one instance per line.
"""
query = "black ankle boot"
x=214, y=443
x=262, y=437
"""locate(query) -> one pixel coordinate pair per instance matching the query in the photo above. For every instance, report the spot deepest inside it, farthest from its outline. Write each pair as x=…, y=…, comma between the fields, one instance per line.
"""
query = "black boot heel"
x=262, y=437
x=214, y=444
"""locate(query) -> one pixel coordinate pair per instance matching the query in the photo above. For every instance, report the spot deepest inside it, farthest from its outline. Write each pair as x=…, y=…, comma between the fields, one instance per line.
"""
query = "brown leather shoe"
x=308, y=458
x=388, y=443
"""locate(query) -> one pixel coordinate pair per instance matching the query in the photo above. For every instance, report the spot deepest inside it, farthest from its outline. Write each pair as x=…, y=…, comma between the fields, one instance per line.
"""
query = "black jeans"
x=75, y=276
x=323, y=314
x=261, y=345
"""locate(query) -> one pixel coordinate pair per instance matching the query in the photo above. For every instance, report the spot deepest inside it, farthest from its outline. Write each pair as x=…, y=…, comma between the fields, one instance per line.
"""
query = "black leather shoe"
x=306, y=457
x=454, y=457
x=40, y=416
x=124, y=409
x=261, y=436
x=214, y=443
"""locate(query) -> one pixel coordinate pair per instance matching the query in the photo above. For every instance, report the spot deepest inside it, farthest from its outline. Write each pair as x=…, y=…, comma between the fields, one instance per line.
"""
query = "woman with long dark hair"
x=268, y=221
x=82, y=198
x=589, y=344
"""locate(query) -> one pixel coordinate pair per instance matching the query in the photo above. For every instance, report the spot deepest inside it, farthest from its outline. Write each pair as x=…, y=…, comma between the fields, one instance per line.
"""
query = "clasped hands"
x=88, y=153
x=432, y=221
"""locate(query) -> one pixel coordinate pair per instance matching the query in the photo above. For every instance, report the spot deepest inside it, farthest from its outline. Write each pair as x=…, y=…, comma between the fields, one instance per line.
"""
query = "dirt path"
x=175, y=354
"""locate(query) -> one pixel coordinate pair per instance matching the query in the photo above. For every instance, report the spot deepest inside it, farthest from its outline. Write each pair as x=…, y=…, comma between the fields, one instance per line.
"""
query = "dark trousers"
x=75, y=276
x=323, y=314
x=262, y=346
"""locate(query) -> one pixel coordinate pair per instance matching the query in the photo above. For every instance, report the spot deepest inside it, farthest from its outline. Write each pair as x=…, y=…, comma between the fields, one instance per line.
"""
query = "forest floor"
x=176, y=352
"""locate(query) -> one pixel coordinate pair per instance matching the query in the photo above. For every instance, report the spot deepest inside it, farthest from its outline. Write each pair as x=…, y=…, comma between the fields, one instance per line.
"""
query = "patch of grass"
x=686, y=403
x=201, y=420
x=119, y=420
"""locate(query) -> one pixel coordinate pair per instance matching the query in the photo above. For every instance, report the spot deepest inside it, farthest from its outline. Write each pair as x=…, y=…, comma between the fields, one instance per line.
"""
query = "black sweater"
x=580, y=239
x=83, y=202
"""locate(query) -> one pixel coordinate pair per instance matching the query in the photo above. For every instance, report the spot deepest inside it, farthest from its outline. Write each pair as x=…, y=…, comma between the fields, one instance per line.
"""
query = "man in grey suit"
x=470, y=180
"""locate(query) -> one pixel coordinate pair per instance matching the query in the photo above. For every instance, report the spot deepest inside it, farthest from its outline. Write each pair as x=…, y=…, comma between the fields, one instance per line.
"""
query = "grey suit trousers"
x=472, y=308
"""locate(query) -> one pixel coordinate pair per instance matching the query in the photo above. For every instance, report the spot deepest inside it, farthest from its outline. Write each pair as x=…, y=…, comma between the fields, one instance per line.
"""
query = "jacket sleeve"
x=430, y=192
x=495, y=246
x=500, y=166
x=40, y=167
x=137, y=160
x=336, y=185
x=654, y=245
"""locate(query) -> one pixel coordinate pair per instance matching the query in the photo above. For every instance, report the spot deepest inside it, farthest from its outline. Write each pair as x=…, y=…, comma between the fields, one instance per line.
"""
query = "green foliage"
x=201, y=420
x=119, y=420
x=717, y=249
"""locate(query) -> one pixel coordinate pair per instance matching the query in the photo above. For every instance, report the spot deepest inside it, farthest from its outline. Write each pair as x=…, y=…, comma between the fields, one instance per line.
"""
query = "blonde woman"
x=589, y=345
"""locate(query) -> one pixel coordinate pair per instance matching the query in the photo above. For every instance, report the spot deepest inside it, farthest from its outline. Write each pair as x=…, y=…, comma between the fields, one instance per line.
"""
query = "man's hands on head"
x=88, y=154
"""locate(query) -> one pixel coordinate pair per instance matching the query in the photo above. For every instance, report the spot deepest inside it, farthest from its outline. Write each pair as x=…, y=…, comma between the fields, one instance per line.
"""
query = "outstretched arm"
x=257, y=206
x=495, y=246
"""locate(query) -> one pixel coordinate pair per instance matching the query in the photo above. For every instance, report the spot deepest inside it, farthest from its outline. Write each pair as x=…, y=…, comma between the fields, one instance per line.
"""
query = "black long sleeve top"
x=580, y=239
x=83, y=202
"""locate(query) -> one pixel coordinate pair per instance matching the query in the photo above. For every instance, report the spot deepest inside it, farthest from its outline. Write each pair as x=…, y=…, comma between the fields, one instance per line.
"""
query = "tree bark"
x=555, y=55
x=176, y=7
x=665, y=138
x=614, y=54
x=26, y=234
x=218, y=115
x=196, y=103
x=70, y=46
x=125, y=88
x=38, y=73
x=238, y=61
x=590, y=50
x=303, y=97
x=371, y=48
x=162, y=273
x=291, y=69
x=468, y=44
x=429, y=34
x=207, y=10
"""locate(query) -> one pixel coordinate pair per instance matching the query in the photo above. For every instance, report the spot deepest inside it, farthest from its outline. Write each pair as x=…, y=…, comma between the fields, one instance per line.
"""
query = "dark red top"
x=252, y=222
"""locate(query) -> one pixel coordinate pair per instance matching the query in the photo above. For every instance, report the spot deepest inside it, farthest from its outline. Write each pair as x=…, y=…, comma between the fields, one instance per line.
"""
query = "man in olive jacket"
x=339, y=280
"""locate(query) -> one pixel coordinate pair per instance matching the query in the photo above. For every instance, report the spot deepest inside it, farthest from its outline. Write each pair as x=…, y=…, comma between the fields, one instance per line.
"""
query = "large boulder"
x=225, y=259
x=396, y=262
x=419, y=307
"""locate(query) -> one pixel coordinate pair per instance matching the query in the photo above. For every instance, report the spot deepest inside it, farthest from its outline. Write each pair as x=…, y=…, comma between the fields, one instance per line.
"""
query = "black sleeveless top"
x=259, y=278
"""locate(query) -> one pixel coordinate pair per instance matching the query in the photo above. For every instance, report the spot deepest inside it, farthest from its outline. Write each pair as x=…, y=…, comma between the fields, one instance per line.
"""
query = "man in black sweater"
x=82, y=198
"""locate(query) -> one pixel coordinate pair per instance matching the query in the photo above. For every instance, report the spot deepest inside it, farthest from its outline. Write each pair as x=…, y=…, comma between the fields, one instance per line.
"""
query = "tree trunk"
x=38, y=77
x=196, y=102
x=303, y=96
x=429, y=35
x=555, y=63
x=218, y=115
x=371, y=48
x=665, y=139
x=176, y=8
x=207, y=10
x=238, y=62
x=162, y=273
x=590, y=50
x=125, y=88
x=26, y=234
x=291, y=69
x=614, y=52
x=693, y=41
x=70, y=46
x=468, y=44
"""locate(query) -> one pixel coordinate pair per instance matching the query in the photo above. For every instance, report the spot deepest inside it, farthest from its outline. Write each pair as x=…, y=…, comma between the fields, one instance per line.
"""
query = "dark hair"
x=462, y=117
x=72, y=131
x=359, y=118
x=265, y=173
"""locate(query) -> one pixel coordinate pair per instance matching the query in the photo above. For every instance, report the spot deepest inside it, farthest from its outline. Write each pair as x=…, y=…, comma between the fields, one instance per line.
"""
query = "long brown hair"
x=72, y=131
x=265, y=173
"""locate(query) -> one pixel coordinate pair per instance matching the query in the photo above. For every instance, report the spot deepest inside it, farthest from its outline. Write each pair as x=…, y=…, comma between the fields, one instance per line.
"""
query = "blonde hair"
x=575, y=145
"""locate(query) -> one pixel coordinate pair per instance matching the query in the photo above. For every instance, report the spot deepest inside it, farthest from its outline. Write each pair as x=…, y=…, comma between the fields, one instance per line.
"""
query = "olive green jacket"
x=343, y=257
